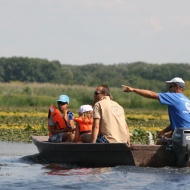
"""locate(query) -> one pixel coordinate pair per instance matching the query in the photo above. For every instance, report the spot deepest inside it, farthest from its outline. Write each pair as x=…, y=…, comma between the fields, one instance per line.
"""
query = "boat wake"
x=34, y=159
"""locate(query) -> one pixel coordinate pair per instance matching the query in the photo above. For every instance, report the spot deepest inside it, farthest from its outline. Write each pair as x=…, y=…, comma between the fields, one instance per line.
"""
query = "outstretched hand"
x=127, y=88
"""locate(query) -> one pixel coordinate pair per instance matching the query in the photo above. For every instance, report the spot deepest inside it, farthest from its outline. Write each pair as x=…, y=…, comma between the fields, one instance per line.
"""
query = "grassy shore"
x=24, y=107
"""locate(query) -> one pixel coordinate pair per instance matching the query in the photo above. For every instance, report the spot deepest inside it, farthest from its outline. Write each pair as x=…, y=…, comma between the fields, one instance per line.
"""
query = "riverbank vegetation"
x=139, y=74
x=30, y=85
x=20, y=123
x=37, y=95
x=24, y=107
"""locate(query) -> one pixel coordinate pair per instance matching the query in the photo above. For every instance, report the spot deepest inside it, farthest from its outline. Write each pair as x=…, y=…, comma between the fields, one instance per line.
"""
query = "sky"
x=82, y=32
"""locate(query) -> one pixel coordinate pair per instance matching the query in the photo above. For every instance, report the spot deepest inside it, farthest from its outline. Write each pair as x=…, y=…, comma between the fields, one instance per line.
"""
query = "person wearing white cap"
x=109, y=123
x=60, y=121
x=178, y=104
x=84, y=124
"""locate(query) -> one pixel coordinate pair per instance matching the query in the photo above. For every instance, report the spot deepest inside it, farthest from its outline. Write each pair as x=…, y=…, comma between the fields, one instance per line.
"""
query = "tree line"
x=139, y=74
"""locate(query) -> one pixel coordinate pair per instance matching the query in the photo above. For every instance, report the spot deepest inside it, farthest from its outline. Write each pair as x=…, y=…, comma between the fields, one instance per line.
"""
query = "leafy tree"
x=138, y=74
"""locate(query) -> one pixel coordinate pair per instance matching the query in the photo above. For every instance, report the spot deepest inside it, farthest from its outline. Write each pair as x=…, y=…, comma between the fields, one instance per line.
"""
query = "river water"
x=21, y=168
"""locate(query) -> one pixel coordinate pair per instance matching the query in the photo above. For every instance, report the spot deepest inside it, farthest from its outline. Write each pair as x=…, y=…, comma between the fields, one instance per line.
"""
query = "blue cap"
x=63, y=98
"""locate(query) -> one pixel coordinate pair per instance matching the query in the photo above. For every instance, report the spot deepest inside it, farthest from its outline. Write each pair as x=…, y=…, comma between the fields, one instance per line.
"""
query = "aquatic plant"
x=21, y=124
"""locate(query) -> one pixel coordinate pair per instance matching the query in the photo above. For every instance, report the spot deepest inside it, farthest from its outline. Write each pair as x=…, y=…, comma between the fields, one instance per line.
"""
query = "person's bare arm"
x=56, y=131
x=142, y=92
x=76, y=138
x=95, y=130
x=167, y=129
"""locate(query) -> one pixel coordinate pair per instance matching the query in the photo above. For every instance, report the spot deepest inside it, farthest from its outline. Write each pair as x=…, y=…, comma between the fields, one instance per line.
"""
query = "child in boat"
x=84, y=124
x=60, y=121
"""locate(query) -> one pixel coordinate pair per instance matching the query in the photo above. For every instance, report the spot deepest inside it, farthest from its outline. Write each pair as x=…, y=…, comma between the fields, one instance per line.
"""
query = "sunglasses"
x=96, y=93
x=62, y=103
x=171, y=86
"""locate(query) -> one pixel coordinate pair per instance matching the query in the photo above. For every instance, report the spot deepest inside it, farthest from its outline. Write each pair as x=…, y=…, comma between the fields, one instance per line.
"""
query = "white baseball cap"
x=85, y=108
x=178, y=81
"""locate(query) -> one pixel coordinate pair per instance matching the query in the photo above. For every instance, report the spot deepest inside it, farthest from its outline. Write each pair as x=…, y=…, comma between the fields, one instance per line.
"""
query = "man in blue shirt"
x=178, y=103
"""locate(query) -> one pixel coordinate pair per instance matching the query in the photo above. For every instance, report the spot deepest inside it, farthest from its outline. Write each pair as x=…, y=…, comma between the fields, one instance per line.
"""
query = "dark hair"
x=105, y=90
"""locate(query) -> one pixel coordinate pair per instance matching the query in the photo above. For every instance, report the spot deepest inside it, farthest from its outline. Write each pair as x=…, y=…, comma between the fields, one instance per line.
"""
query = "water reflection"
x=69, y=170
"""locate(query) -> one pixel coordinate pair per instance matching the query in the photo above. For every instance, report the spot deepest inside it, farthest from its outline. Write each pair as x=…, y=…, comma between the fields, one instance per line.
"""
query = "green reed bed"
x=22, y=103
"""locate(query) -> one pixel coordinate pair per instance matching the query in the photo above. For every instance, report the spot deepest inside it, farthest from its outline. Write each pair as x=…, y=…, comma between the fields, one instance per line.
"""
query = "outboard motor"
x=181, y=146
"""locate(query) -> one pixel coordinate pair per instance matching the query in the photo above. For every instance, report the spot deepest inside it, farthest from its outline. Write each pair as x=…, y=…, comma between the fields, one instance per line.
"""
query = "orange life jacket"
x=57, y=118
x=85, y=126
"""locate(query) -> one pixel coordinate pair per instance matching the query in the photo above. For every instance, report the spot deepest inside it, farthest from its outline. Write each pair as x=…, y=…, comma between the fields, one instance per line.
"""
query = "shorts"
x=101, y=139
x=56, y=138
